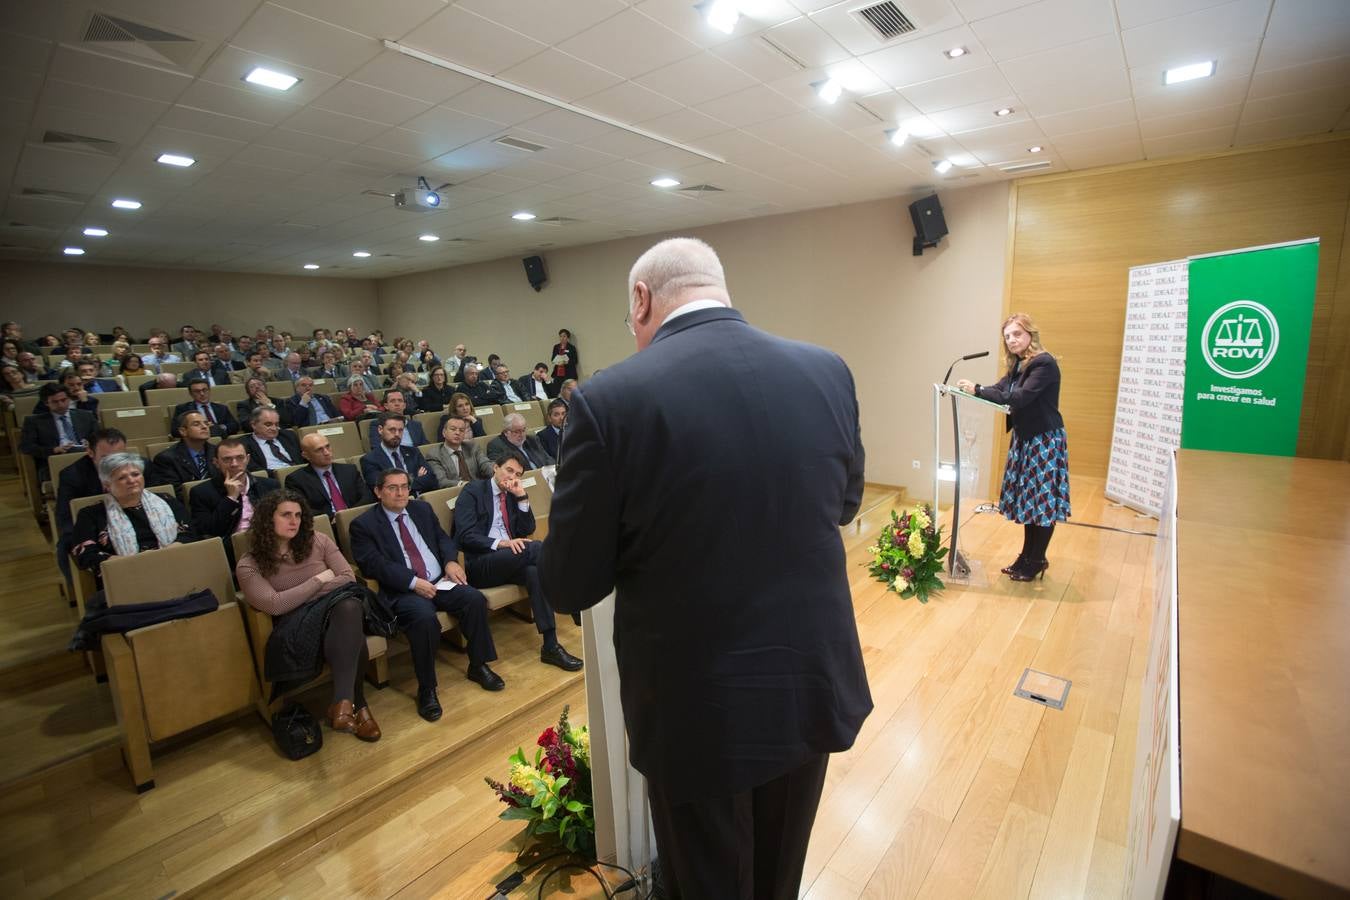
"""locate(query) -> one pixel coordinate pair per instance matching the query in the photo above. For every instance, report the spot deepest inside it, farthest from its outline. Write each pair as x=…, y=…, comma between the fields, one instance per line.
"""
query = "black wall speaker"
x=534, y=270
x=929, y=224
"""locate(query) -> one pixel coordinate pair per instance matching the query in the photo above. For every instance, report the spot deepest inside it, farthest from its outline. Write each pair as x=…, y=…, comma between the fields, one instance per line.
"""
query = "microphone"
x=946, y=377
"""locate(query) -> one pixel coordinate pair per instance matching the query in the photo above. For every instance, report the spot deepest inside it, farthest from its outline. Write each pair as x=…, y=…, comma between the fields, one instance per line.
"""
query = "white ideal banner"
x=1152, y=379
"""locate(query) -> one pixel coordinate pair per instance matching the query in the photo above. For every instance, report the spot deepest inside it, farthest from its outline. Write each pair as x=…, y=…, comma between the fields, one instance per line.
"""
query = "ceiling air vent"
x=700, y=189
x=781, y=51
x=82, y=142
x=518, y=144
x=556, y=220
x=139, y=39
x=1023, y=168
x=886, y=19
x=867, y=111
x=60, y=196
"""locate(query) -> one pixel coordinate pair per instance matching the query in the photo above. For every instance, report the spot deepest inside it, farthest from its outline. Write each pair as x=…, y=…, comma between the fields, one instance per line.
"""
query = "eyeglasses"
x=628, y=323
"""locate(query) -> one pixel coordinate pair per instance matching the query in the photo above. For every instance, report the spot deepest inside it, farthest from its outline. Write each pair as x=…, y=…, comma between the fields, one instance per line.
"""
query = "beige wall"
x=46, y=297
x=842, y=277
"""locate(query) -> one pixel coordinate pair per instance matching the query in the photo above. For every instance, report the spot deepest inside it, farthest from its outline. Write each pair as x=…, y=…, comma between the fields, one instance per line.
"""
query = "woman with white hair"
x=129, y=520
x=358, y=403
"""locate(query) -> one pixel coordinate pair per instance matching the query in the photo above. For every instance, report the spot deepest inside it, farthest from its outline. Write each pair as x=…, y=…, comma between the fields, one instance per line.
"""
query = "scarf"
x=123, y=534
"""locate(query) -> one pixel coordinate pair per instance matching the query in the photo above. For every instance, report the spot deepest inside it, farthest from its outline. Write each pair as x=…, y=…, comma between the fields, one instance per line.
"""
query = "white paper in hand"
x=445, y=584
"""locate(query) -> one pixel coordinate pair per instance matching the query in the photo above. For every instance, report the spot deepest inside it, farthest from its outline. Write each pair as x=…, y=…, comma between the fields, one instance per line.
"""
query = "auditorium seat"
x=491, y=417
x=169, y=397
x=169, y=678
x=228, y=394
x=138, y=422
x=430, y=421
x=178, y=368
x=134, y=382
x=118, y=400
x=280, y=474
x=155, y=448
x=534, y=417
x=343, y=437
x=280, y=390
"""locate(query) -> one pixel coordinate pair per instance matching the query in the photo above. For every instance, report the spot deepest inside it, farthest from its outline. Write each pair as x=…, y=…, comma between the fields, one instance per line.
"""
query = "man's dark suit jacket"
x=214, y=513
x=715, y=516
x=550, y=440
x=297, y=414
x=40, y=436
x=174, y=466
x=226, y=424
x=105, y=386
x=484, y=393
x=376, y=461
x=416, y=433
x=216, y=375
x=473, y=518
x=285, y=438
x=535, y=450
x=335, y=374
x=79, y=479
x=349, y=480
x=379, y=552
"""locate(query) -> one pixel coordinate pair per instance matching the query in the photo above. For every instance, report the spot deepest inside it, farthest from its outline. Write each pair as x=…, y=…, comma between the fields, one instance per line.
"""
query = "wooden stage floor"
x=955, y=788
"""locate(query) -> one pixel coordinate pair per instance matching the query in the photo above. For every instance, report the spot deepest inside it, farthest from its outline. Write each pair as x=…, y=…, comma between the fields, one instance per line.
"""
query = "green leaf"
x=559, y=782
x=517, y=812
x=575, y=806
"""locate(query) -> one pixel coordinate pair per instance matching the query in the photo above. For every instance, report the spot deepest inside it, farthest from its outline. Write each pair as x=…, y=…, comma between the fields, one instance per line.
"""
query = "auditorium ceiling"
x=568, y=110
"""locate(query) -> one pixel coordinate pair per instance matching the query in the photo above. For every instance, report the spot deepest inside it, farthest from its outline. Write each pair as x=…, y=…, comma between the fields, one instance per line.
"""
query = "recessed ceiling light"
x=74, y=251
x=277, y=81
x=829, y=90
x=898, y=136
x=173, y=159
x=1189, y=73
x=361, y=254
x=1036, y=149
x=311, y=265
x=126, y=204
x=95, y=232
x=522, y=216
x=429, y=238
x=943, y=166
x=920, y=127
x=665, y=182
x=955, y=52
x=722, y=15
x=1005, y=111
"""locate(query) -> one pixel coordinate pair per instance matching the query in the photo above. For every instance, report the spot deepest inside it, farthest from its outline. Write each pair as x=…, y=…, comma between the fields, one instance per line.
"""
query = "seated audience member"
x=550, y=438
x=292, y=369
x=187, y=342
x=328, y=487
x=392, y=373
x=31, y=368
x=292, y=573
x=9, y=352
x=270, y=447
x=243, y=349
x=253, y=368
x=224, y=364
x=308, y=406
x=81, y=479
x=14, y=386
x=257, y=396
x=225, y=503
x=493, y=522
x=93, y=384
x=277, y=351
x=462, y=406
x=455, y=361
x=534, y=386
x=357, y=402
x=159, y=382
x=74, y=353
x=360, y=368
x=565, y=391
x=158, y=356
x=218, y=416
x=15, y=331
x=189, y=459
x=481, y=393
x=204, y=369
x=455, y=460
x=426, y=358
x=438, y=391
x=79, y=397
x=131, y=365
x=399, y=543
x=58, y=430
x=507, y=386
x=516, y=437
x=131, y=520
x=328, y=368
x=412, y=391
x=413, y=433
x=387, y=451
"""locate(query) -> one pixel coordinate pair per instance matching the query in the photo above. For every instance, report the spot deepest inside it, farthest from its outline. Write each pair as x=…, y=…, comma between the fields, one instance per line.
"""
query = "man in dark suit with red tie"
x=493, y=522
x=714, y=516
x=327, y=487
x=400, y=544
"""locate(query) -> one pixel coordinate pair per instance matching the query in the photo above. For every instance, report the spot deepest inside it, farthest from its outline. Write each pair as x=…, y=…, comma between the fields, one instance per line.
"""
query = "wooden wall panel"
x=1076, y=236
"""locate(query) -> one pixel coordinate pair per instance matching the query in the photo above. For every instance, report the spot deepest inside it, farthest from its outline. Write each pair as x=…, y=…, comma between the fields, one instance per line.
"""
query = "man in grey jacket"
x=457, y=461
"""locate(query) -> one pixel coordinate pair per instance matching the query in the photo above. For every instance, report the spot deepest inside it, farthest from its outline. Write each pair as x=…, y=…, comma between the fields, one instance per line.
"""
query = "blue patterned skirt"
x=1036, y=480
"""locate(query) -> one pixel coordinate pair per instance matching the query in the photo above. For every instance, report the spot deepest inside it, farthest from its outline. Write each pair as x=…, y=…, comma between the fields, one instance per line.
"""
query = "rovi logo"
x=1240, y=339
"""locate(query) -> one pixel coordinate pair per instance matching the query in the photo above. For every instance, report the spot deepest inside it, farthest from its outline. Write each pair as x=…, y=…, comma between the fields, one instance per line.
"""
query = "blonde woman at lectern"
x=1035, y=490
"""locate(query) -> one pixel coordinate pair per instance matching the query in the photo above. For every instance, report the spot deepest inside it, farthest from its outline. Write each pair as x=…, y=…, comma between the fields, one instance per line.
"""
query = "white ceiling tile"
x=411, y=143
x=993, y=153
x=978, y=116
x=1204, y=120
x=272, y=158
x=1306, y=17
x=1332, y=99
x=685, y=125
x=227, y=101
x=983, y=9
x=686, y=20
x=334, y=125
x=752, y=55
x=808, y=42
x=107, y=127
x=296, y=38
x=1289, y=127
x=470, y=40
x=891, y=107
x=21, y=86
x=125, y=76
x=1044, y=25
x=1189, y=96
x=570, y=156
x=1230, y=64
x=556, y=74
x=63, y=170
x=386, y=160
x=23, y=53
x=85, y=99
x=1283, y=52
x=1117, y=135
x=754, y=104
x=487, y=101
x=628, y=102
x=300, y=142
x=1189, y=142
x=623, y=144
x=547, y=21
x=1122, y=112
x=1133, y=13
x=195, y=144
x=1088, y=73
x=352, y=98
x=968, y=87
x=1195, y=36
x=392, y=71
x=629, y=44
x=560, y=124
x=842, y=24
x=696, y=79
x=1294, y=79
x=1110, y=155
x=923, y=60
x=376, y=20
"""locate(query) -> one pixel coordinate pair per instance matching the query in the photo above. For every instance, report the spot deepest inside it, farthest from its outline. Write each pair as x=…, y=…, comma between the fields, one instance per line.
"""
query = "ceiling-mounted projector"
x=415, y=199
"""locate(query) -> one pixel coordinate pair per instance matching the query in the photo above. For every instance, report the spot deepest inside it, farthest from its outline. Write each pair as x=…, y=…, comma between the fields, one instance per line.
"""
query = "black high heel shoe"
x=1030, y=571
x=1014, y=565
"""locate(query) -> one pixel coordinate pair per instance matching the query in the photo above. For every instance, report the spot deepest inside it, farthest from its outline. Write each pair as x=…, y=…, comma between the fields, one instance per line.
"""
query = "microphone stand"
x=957, y=567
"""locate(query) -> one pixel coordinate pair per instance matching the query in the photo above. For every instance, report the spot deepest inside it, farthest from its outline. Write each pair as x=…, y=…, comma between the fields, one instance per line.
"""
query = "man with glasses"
x=224, y=503
x=456, y=460
x=218, y=416
x=509, y=394
x=515, y=437
x=269, y=447
x=157, y=356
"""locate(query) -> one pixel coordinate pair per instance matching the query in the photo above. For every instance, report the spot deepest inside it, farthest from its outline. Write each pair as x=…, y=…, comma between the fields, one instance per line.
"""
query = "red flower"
x=886, y=566
x=548, y=738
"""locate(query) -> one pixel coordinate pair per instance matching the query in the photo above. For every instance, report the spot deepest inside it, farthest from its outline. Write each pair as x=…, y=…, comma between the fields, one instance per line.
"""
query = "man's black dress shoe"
x=557, y=656
x=428, y=706
x=485, y=678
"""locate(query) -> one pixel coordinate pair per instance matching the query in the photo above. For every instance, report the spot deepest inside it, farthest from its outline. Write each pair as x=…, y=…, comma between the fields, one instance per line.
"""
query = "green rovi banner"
x=1248, y=318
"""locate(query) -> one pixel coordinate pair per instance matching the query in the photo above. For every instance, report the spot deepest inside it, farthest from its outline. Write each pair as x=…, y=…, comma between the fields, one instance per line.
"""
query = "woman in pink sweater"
x=293, y=574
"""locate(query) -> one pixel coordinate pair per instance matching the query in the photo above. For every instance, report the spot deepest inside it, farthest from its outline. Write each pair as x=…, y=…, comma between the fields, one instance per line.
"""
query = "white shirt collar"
x=694, y=306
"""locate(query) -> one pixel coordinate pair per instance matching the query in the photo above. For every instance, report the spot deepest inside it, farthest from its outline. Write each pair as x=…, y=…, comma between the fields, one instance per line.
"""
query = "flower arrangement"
x=908, y=554
x=554, y=793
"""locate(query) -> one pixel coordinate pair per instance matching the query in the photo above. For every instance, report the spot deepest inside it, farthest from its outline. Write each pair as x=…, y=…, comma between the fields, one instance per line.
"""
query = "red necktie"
x=506, y=516
x=334, y=493
x=210, y=417
x=410, y=548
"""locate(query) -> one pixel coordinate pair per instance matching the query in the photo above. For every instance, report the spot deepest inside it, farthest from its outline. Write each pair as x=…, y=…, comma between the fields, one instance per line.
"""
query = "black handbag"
x=296, y=731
